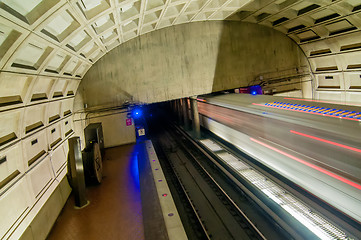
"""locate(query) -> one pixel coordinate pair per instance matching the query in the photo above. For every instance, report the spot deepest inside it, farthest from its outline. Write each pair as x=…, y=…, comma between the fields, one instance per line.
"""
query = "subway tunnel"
x=66, y=64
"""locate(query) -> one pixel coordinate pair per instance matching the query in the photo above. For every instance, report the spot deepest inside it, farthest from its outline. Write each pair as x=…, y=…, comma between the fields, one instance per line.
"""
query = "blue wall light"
x=255, y=90
x=137, y=112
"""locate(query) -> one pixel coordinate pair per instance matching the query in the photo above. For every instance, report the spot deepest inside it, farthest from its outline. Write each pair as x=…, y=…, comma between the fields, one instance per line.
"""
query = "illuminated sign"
x=141, y=132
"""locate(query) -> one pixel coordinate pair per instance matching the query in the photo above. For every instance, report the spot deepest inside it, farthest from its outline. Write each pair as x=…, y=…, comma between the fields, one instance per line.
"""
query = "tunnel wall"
x=189, y=59
x=38, y=80
x=115, y=130
x=35, y=123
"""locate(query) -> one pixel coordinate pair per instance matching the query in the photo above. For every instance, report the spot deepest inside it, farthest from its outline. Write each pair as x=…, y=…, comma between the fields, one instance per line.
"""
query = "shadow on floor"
x=115, y=209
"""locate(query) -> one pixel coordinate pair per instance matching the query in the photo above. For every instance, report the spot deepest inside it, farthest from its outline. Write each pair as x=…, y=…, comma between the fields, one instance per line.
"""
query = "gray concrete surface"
x=186, y=60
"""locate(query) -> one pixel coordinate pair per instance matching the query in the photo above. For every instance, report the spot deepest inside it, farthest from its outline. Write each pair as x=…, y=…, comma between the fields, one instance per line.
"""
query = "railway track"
x=209, y=202
x=223, y=193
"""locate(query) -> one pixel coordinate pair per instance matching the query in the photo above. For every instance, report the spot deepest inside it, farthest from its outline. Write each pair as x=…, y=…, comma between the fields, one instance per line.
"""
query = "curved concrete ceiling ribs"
x=55, y=43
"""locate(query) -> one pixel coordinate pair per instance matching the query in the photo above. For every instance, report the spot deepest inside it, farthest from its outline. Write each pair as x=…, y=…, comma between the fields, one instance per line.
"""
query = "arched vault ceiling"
x=63, y=38
x=191, y=59
x=66, y=37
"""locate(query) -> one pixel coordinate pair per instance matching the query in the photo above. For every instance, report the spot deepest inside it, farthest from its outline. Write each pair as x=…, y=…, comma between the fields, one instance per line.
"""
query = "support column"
x=195, y=117
x=185, y=113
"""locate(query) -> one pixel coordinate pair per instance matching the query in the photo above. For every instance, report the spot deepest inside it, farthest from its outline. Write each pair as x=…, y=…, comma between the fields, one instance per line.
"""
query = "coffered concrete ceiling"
x=62, y=39
x=66, y=37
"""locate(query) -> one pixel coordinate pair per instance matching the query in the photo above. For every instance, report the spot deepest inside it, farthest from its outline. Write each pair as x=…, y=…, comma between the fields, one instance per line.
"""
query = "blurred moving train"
x=316, y=145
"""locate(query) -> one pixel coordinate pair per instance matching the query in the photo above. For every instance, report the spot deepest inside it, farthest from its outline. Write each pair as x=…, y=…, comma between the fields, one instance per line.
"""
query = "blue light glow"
x=137, y=113
x=255, y=90
x=135, y=171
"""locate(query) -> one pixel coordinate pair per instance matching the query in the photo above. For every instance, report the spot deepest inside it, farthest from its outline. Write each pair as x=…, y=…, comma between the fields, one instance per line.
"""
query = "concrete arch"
x=189, y=59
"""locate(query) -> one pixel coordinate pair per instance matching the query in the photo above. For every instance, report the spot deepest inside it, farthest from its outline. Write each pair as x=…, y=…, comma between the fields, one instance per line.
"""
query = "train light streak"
x=294, y=206
x=355, y=185
x=327, y=141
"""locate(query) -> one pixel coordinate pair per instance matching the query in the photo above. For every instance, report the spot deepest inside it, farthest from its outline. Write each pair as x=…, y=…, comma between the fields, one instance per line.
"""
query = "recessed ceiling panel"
x=71, y=66
x=307, y=36
x=57, y=63
x=31, y=55
x=129, y=10
x=103, y=23
x=130, y=25
x=13, y=89
x=112, y=44
x=154, y=4
x=129, y=35
x=78, y=41
x=173, y=10
x=108, y=36
x=340, y=27
x=92, y=8
x=195, y=5
x=215, y=4
x=10, y=36
x=152, y=17
x=27, y=11
x=82, y=70
x=89, y=49
x=61, y=26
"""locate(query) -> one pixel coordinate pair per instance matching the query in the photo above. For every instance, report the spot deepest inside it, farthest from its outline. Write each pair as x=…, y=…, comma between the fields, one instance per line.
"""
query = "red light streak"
x=327, y=141
x=294, y=110
x=310, y=165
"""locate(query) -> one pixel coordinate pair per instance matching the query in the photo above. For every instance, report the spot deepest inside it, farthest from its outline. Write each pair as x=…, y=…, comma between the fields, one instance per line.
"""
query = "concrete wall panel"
x=188, y=59
x=115, y=131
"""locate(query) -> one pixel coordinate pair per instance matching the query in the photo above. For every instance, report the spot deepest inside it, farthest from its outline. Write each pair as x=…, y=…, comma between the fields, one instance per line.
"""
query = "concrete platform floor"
x=115, y=209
